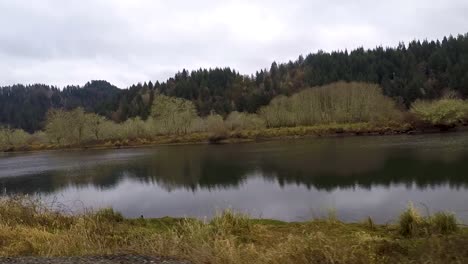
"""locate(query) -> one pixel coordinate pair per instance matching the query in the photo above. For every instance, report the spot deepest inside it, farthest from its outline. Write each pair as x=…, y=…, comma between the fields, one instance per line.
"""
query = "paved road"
x=121, y=259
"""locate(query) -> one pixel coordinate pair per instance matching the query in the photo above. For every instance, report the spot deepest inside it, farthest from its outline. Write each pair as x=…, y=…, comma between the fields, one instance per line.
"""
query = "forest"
x=416, y=70
x=422, y=84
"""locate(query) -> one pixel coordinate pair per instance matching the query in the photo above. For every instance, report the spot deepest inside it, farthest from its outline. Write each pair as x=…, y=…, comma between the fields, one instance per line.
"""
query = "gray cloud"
x=70, y=42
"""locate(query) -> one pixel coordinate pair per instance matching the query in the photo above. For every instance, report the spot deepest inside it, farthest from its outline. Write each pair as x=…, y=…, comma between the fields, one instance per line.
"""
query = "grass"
x=233, y=136
x=412, y=223
x=323, y=130
x=27, y=227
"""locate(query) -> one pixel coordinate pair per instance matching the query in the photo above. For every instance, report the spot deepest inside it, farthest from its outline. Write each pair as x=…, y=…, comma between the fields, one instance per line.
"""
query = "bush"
x=173, y=115
x=244, y=121
x=13, y=138
x=339, y=102
x=78, y=127
x=443, y=112
x=216, y=127
x=39, y=137
x=135, y=128
x=279, y=112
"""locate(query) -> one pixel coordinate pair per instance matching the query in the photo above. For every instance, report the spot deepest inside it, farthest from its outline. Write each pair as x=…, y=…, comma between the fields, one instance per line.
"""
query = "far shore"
x=247, y=136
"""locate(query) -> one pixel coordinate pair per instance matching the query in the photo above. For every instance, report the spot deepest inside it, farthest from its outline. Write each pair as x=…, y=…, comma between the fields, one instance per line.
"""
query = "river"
x=291, y=180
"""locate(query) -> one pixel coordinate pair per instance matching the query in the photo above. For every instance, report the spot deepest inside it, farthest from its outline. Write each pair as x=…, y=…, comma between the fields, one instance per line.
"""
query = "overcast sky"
x=62, y=42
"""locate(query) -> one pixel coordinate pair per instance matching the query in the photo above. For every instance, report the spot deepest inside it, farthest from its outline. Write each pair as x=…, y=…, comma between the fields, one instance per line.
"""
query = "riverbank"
x=236, y=136
x=243, y=136
x=29, y=229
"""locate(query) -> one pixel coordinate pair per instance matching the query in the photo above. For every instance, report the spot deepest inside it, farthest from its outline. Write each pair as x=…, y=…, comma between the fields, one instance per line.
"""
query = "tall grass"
x=28, y=227
x=444, y=223
x=413, y=223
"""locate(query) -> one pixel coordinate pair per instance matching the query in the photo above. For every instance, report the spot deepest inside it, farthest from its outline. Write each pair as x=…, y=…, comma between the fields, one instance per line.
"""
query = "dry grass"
x=28, y=228
x=412, y=223
x=323, y=130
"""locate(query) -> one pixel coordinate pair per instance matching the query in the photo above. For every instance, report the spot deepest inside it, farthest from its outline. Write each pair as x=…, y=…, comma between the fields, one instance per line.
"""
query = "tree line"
x=422, y=70
x=168, y=116
x=329, y=105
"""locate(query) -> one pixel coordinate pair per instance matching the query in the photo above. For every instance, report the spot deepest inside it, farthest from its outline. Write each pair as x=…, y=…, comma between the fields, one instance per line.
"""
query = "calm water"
x=288, y=180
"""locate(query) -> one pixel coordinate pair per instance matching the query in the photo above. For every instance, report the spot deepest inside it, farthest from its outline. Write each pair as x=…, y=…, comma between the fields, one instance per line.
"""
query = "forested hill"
x=420, y=69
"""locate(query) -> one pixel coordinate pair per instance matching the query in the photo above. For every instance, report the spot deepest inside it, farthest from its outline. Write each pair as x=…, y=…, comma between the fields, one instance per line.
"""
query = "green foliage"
x=397, y=70
x=443, y=112
x=13, y=138
x=173, y=115
x=279, y=113
x=26, y=106
x=39, y=137
x=57, y=128
x=216, y=127
x=244, y=121
x=335, y=103
x=76, y=127
x=95, y=125
x=135, y=128
x=70, y=127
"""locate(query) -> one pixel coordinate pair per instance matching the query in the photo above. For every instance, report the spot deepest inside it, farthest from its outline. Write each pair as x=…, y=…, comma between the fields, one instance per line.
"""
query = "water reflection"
x=361, y=164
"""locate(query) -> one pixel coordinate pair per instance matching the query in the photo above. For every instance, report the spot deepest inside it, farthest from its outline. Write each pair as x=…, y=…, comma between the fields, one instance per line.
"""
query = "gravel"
x=122, y=259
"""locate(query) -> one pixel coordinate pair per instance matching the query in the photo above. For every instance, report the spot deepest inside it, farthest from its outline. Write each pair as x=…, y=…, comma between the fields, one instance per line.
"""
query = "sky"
x=61, y=42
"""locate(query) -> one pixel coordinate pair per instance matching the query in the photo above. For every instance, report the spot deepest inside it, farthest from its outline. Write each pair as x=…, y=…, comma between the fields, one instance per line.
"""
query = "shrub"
x=13, y=138
x=279, y=112
x=443, y=112
x=216, y=127
x=39, y=137
x=173, y=115
x=75, y=127
x=339, y=102
x=244, y=121
x=135, y=128
x=198, y=125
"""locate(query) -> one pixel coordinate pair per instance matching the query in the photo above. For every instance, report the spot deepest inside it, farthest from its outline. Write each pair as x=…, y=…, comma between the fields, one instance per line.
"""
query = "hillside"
x=419, y=69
